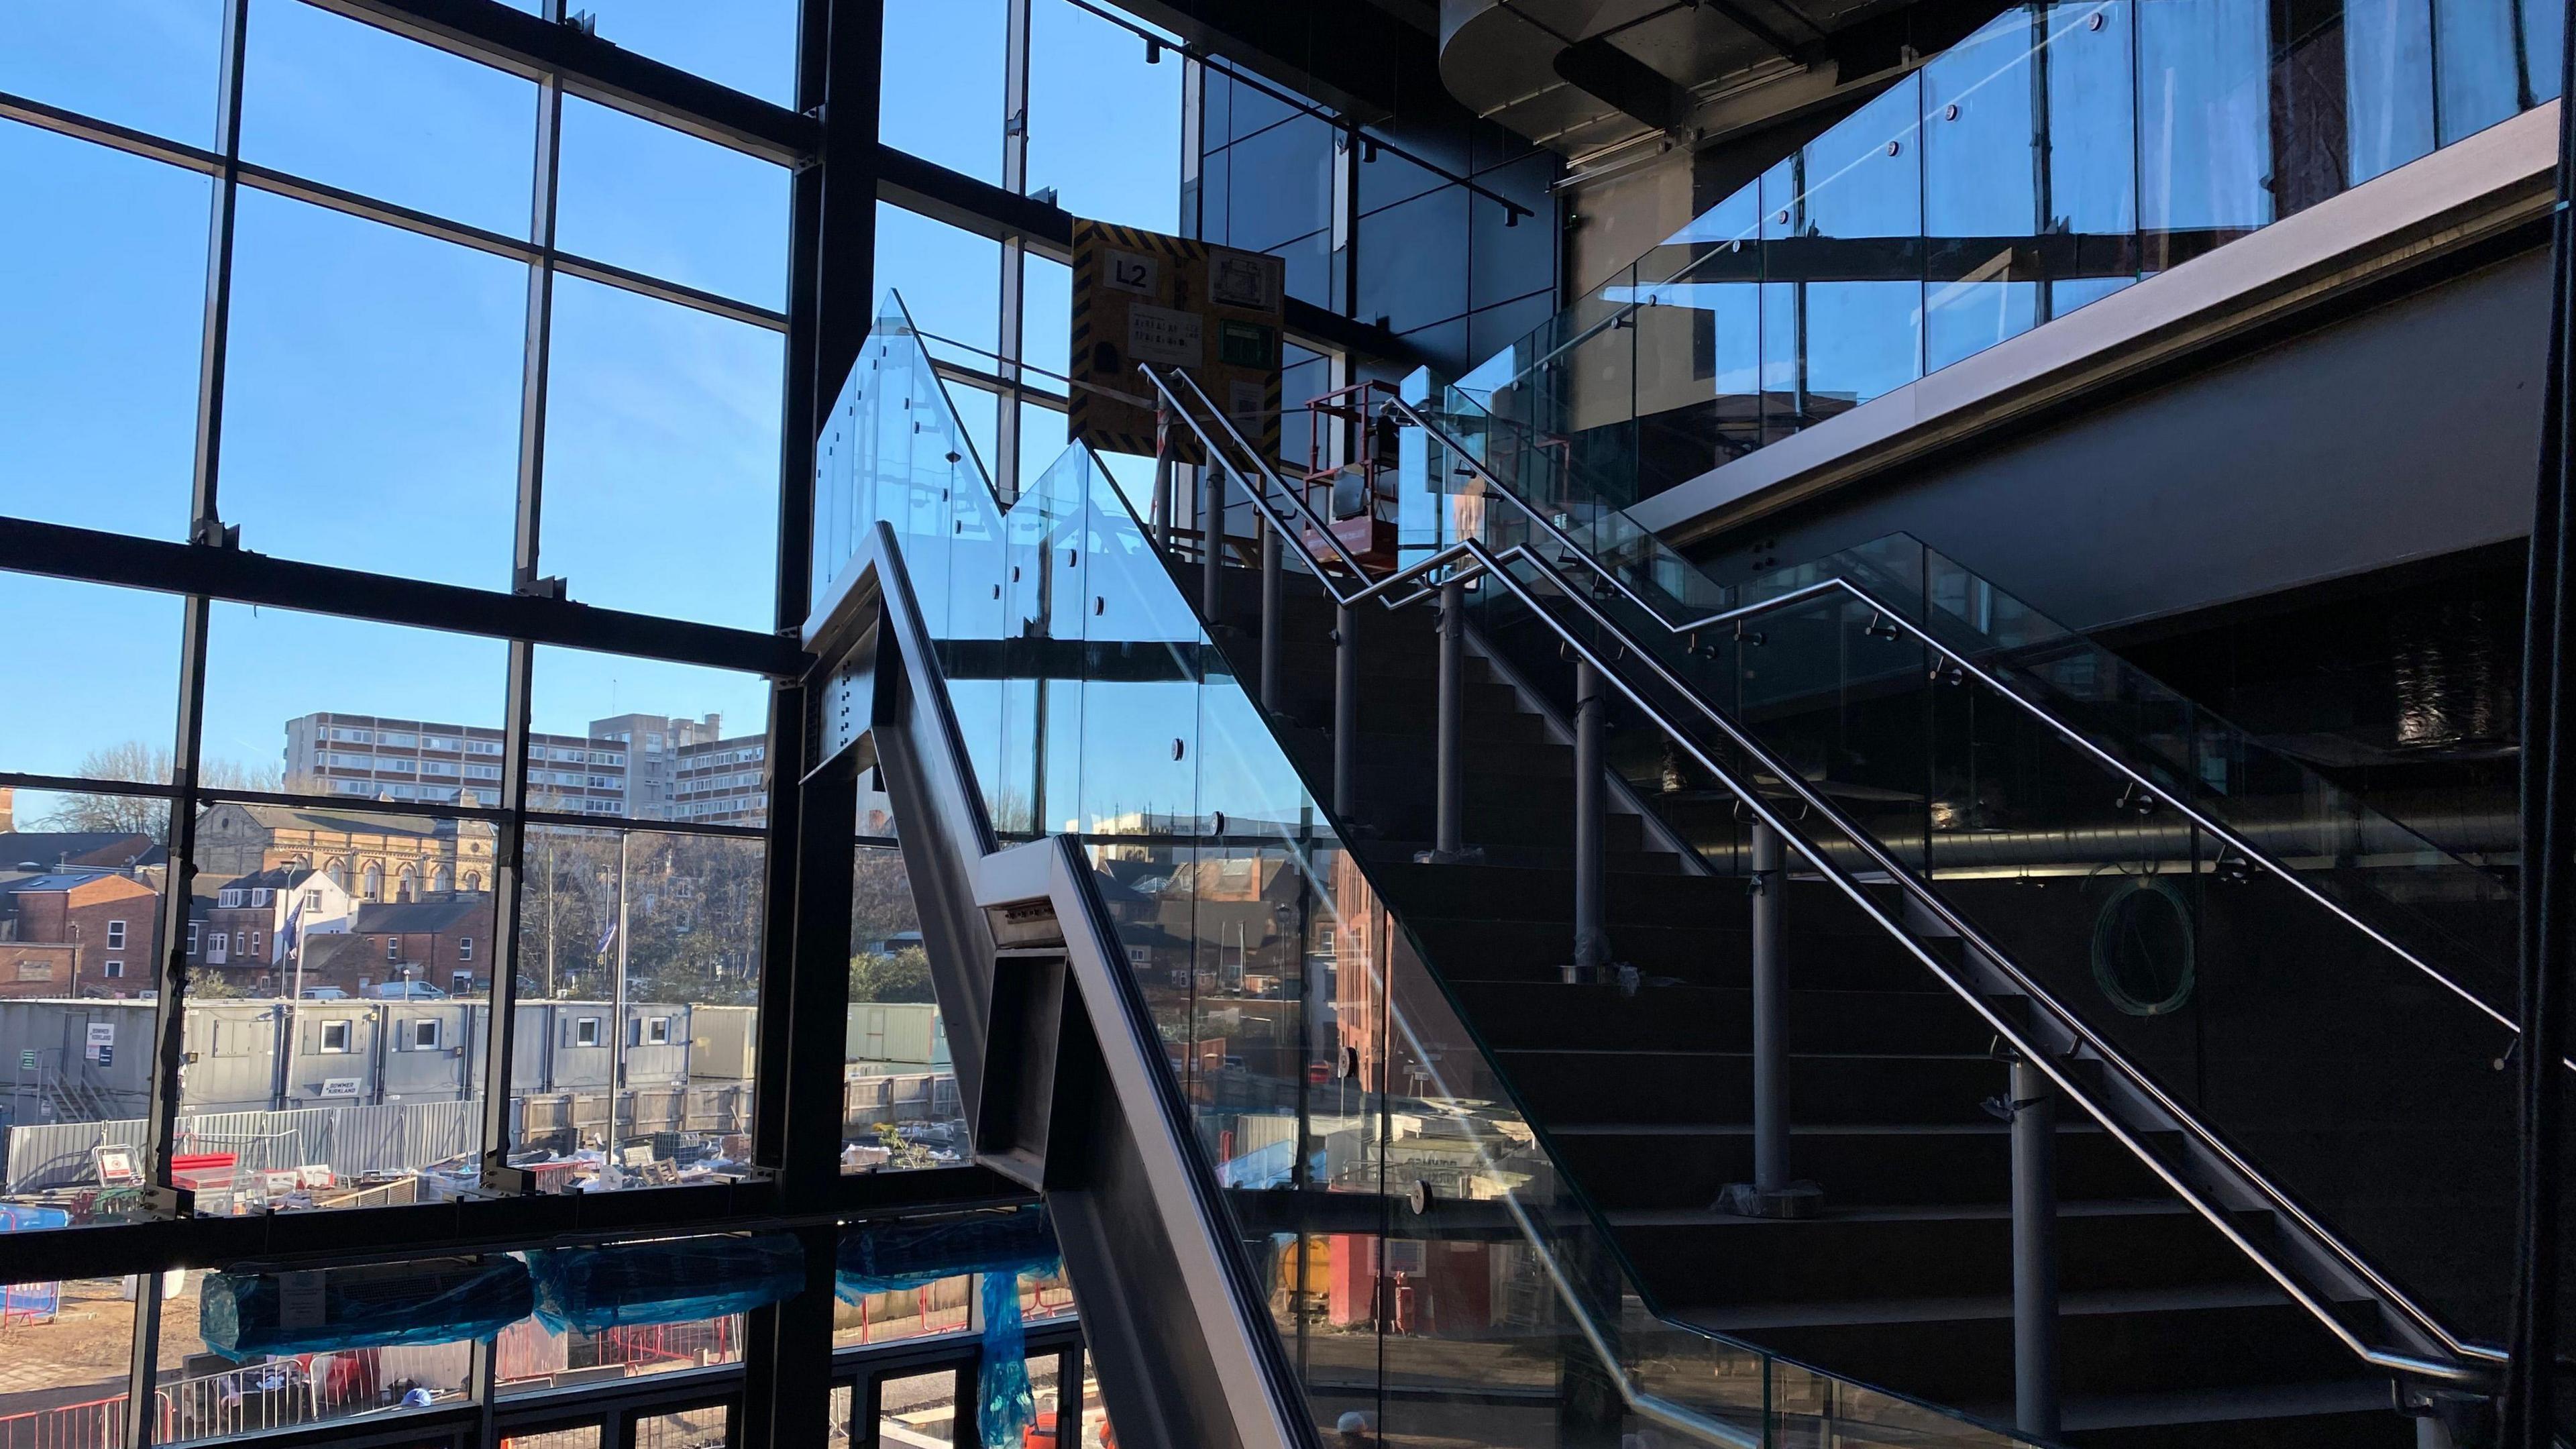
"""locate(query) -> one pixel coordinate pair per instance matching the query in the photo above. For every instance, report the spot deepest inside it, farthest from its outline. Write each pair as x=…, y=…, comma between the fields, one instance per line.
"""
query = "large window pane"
x=205, y=1395
x=916, y=1409
x=900, y=1106
x=372, y=112
x=947, y=1306
x=316, y=704
x=528, y=1357
x=99, y=328
x=1104, y=124
x=640, y=951
x=149, y=64
x=943, y=83
x=70, y=1344
x=749, y=45
x=650, y=199
x=371, y=411
x=950, y=280
x=646, y=740
x=98, y=701
x=661, y=490
x=339, y=975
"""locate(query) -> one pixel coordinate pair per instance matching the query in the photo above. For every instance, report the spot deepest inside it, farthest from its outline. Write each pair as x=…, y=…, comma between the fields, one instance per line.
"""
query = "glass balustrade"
x=1426, y=1263
x=2064, y=151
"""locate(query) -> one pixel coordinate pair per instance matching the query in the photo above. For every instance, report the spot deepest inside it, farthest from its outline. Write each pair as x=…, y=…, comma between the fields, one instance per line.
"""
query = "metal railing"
x=1469, y=559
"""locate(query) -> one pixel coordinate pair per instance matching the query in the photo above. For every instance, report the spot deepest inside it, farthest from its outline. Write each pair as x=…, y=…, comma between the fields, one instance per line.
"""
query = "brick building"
x=72, y=933
x=373, y=857
x=445, y=941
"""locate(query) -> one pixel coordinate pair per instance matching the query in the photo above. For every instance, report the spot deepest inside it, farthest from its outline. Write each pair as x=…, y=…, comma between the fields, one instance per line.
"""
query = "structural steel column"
x=2034, y=1239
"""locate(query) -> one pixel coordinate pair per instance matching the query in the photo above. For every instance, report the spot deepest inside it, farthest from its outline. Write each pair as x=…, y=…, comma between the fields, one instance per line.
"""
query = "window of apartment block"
x=465, y=948
x=393, y=948
x=116, y=935
x=460, y=981
x=114, y=969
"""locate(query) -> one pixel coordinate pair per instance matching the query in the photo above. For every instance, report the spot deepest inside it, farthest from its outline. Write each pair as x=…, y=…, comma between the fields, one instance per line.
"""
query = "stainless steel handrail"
x=1482, y=561
x=2252, y=852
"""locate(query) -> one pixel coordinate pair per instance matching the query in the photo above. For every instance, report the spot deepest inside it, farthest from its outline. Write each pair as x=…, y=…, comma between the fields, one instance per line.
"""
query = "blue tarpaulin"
x=247, y=1315
x=1000, y=1246
x=682, y=1281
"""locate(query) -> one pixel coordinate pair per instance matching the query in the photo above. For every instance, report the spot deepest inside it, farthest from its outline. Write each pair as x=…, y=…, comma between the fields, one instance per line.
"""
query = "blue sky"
x=372, y=409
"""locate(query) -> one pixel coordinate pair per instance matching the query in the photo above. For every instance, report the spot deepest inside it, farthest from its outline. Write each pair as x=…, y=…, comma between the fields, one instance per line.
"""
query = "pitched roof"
x=350, y=822
x=403, y=918
x=281, y=878
x=50, y=848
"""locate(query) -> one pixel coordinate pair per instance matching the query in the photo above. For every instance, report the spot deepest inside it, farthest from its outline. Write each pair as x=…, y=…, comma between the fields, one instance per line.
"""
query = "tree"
x=137, y=763
x=903, y=976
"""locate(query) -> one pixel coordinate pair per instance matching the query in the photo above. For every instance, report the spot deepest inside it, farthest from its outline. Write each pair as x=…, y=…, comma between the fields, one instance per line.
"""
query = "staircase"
x=2168, y=1333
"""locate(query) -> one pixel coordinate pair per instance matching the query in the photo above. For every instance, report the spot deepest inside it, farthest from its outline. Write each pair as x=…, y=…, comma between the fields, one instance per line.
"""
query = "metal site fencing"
x=351, y=1141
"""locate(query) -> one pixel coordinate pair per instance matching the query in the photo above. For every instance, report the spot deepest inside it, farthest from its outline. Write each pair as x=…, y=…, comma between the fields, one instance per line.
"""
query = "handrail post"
x=1164, y=472
x=1449, y=840
x=1771, y=1194
x=1591, y=940
x=2034, y=1238
x=1346, y=711
x=1211, y=542
x=1270, y=586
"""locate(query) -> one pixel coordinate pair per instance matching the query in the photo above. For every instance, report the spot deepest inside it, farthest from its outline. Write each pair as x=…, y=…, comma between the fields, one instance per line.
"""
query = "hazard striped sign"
x=1140, y=297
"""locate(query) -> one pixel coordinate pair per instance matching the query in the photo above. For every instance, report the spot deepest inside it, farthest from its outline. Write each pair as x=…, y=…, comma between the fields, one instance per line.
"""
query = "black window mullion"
x=509, y=853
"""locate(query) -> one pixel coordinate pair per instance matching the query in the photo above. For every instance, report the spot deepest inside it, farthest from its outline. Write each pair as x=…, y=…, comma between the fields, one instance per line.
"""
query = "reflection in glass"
x=661, y=491
x=669, y=205
x=2388, y=83
x=380, y=370
x=99, y=330
x=2204, y=123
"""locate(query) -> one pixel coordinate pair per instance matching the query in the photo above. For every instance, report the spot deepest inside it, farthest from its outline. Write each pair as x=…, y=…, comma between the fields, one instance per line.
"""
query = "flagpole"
x=617, y=1012
x=294, y=1001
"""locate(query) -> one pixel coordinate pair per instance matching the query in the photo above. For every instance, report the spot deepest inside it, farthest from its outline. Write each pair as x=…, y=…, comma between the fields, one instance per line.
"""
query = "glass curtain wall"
x=433, y=322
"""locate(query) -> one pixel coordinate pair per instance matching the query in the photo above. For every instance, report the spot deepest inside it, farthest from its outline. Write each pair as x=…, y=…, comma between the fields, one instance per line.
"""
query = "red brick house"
x=445, y=941
x=77, y=933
